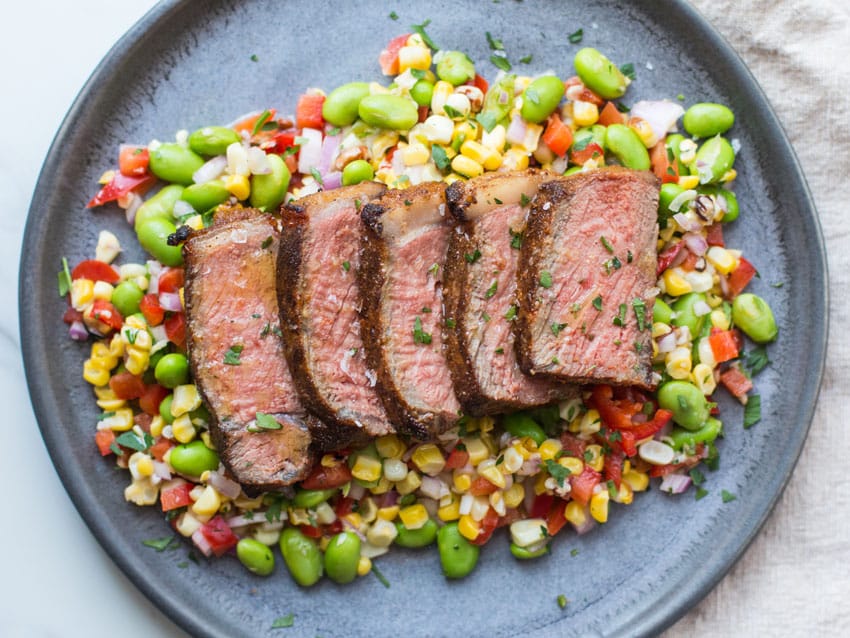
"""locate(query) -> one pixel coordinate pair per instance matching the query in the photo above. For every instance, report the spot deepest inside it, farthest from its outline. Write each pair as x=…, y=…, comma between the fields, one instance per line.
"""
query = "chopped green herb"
x=492, y=289
x=583, y=143
x=135, y=442
x=486, y=119
x=233, y=354
x=701, y=492
x=562, y=601
x=159, y=544
x=283, y=622
x=510, y=315
x=317, y=176
x=471, y=258
x=419, y=74
x=485, y=316
x=254, y=57
x=132, y=334
x=555, y=360
x=752, y=411
x=620, y=319
x=628, y=70
x=640, y=313
x=588, y=456
x=64, y=278
x=612, y=489
x=499, y=351
x=434, y=269
x=450, y=323
x=575, y=308
x=334, y=131
x=757, y=360
x=267, y=421
x=266, y=242
x=557, y=327
x=380, y=576
x=727, y=497
x=425, y=309
x=557, y=471
x=258, y=125
x=393, y=15
x=420, y=29
x=612, y=264
x=576, y=36
x=629, y=257
x=346, y=265
x=778, y=284
x=524, y=200
x=265, y=331
x=451, y=111
x=597, y=302
x=546, y=279
x=255, y=315
x=526, y=59
x=420, y=336
x=516, y=240
x=697, y=477
x=606, y=244
x=117, y=451
x=357, y=204
x=495, y=44
x=407, y=202
x=622, y=108
x=501, y=62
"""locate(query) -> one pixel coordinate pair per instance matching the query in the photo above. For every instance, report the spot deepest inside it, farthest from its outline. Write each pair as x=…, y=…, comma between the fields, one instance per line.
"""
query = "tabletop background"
x=794, y=579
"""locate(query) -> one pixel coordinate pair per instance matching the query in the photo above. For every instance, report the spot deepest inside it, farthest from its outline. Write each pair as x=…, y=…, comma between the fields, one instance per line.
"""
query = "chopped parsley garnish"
x=159, y=544
x=612, y=264
x=434, y=269
x=380, y=576
x=526, y=59
x=254, y=57
x=258, y=125
x=501, y=62
x=393, y=15
x=134, y=442
x=266, y=242
x=267, y=422
x=557, y=327
x=132, y=334
x=357, y=204
x=472, y=257
x=283, y=622
x=629, y=257
x=317, y=176
x=597, y=302
x=562, y=600
x=450, y=323
x=492, y=289
x=640, y=313
x=425, y=309
x=701, y=493
x=557, y=471
x=546, y=279
x=524, y=200
x=485, y=316
x=697, y=477
x=607, y=244
x=727, y=497
x=117, y=451
x=499, y=351
x=752, y=411
x=612, y=489
x=516, y=240
x=628, y=70
x=420, y=29
x=64, y=278
x=451, y=111
x=576, y=36
x=233, y=354
x=555, y=361
x=757, y=360
x=620, y=319
x=346, y=265
x=487, y=120
x=495, y=43
x=255, y=315
x=419, y=335
x=510, y=315
x=622, y=108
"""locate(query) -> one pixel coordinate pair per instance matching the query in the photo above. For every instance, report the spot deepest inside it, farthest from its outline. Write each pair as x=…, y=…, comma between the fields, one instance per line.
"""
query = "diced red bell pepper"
x=689, y=263
x=572, y=445
x=151, y=309
x=311, y=531
x=724, y=345
x=325, y=478
x=657, y=471
x=479, y=82
x=423, y=113
x=652, y=427
x=104, y=440
x=457, y=458
x=740, y=277
x=714, y=235
x=737, y=383
x=482, y=487
x=488, y=525
x=96, y=271
x=582, y=485
x=344, y=506
x=557, y=136
x=555, y=519
x=159, y=449
x=248, y=123
x=388, y=58
x=119, y=186
x=664, y=170
x=585, y=95
x=133, y=160
x=171, y=280
x=107, y=314
x=175, y=329
x=151, y=397
x=591, y=151
x=219, y=535
x=668, y=256
x=612, y=469
x=610, y=114
x=541, y=505
x=71, y=315
x=615, y=413
x=176, y=496
x=126, y=385
x=285, y=139
x=308, y=111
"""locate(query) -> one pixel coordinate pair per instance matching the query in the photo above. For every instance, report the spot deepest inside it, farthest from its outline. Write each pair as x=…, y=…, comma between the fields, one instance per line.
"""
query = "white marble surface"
x=58, y=582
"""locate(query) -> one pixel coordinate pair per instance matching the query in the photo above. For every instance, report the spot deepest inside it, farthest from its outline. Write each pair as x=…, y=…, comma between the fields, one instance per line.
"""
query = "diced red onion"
x=242, y=521
x=310, y=153
x=387, y=499
x=661, y=115
x=211, y=170
x=681, y=199
x=154, y=269
x=329, y=148
x=588, y=524
x=356, y=491
x=258, y=161
x=431, y=506
x=202, y=543
x=332, y=180
x=667, y=343
x=679, y=258
x=517, y=130
x=696, y=243
x=161, y=470
x=134, y=200
x=159, y=333
x=529, y=466
x=182, y=208
x=350, y=527
x=77, y=331
x=224, y=485
x=686, y=222
x=701, y=308
x=559, y=165
x=170, y=301
x=675, y=483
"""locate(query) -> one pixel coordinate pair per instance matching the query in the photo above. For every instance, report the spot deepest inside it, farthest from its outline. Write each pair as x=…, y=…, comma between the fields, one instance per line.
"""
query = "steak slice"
x=319, y=304
x=236, y=351
x=587, y=278
x=480, y=294
x=404, y=241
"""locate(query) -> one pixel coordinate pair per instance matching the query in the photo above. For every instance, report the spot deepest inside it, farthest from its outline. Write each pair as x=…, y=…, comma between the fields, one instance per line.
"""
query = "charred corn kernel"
x=688, y=181
x=585, y=113
x=481, y=154
x=722, y=260
x=703, y=378
x=590, y=422
x=182, y=429
x=409, y=484
x=515, y=159
x=136, y=360
x=186, y=398
x=540, y=484
x=382, y=142
x=644, y=131
x=468, y=527
x=575, y=513
x=414, y=57
x=513, y=495
x=574, y=465
x=364, y=565
x=395, y=469
x=390, y=446
x=624, y=496
x=429, y=459
x=495, y=139
x=142, y=492
x=466, y=167
x=208, y=503
x=637, y=481
x=529, y=444
x=353, y=519
x=599, y=506
x=120, y=420
x=102, y=290
x=187, y=524
x=238, y=186
x=415, y=155
x=593, y=457
x=493, y=474
x=157, y=424
x=462, y=482
x=549, y=449
x=413, y=516
x=382, y=487
x=678, y=363
x=388, y=513
x=476, y=448
x=674, y=284
x=450, y=512
x=366, y=468
x=451, y=178
x=729, y=175
x=382, y=533
x=660, y=329
x=512, y=460
x=442, y=91
x=82, y=293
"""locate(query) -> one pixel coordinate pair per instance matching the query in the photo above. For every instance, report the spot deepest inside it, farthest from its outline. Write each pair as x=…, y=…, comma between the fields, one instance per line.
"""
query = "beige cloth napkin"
x=794, y=580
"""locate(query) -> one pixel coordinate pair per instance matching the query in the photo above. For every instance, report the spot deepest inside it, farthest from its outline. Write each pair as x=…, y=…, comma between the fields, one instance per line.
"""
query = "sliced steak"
x=319, y=313
x=236, y=351
x=587, y=278
x=480, y=294
x=403, y=245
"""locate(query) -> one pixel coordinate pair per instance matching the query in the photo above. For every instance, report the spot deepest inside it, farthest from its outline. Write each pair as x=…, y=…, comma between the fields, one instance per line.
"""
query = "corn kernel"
x=574, y=465
x=575, y=513
x=415, y=155
x=585, y=113
x=678, y=363
x=238, y=186
x=157, y=424
x=466, y=167
x=486, y=423
x=364, y=565
x=388, y=513
x=187, y=524
x=413, y=516
x=107, y=248
x=382, y=142
x=476, y=448
x=515, y=159
x=462, y=482
x=208, y=503
x=594, y=458
x=529, y=444
x=442, y=91
x=102, y=290
x=729, y=175
x=644, y=131
x=495, y=139
x=382, y=533
x=82, y=293
x=624, y=496
x=438, y=129
x=514, y=495
x=599, y=506
x=136, y=360
x=144, y=464
x=390, y=446
x=182, y=429
x=450, y=512
x=366, y=468
x=120, y=421
x=512, y=460
x=142, y=492
x=206, y=437
x=299, y=516
x=540, y=484
x=395, y=469
x=703, y=378
x=591, y=422
x=451, y=178
x=493, y=474
x=414, y=57
x=481, y=154
x=674, y=284
x=521, y=450
x=719, y=319
x=549, y=449
x=688, y=181
x=429, y=459
x=94, y=374
x=722, y=260
x=382, y=487
x=468, y=527
x=410, y=484
x=265, y=535
x=186, y=398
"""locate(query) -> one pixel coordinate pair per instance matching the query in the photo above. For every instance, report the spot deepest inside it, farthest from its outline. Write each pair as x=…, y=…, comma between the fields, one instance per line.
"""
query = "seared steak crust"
x=587, y=277
x=403, y=249
x=231, y=304
x=319, y=313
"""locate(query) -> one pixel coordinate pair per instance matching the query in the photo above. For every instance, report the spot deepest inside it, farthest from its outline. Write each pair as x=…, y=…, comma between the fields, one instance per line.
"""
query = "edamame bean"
x=728, y=196
x=302, y=556
x=165, y=409
x=714, y=159
x=521, y=425
x=681, y=437
x=661, y=312
x=269, y=190
x=685, y=314
x=626, y=146
x=422, y=92
x=668, y=193
x=153, y=236
x=523, y=553
x=193, y=459
x=204, y=196
x=455, y=67
x=541, y=98
x=159, y=206
x=340, y=107
x=599, y=74
x=172, y=370
x=707, y=119
x=126, y=297
x=356, y=172
x=174, y=163
x=341, y=557
x=572, y=170
x=687, y=403
x=458, y=556
x=212, y=140
x=389, y=112
x=421, y=537
x=308, y=499
x=257, y=558
x=753, y=315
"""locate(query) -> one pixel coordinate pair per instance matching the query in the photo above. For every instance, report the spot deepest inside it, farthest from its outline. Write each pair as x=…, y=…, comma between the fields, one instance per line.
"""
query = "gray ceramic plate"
x=188, y=64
